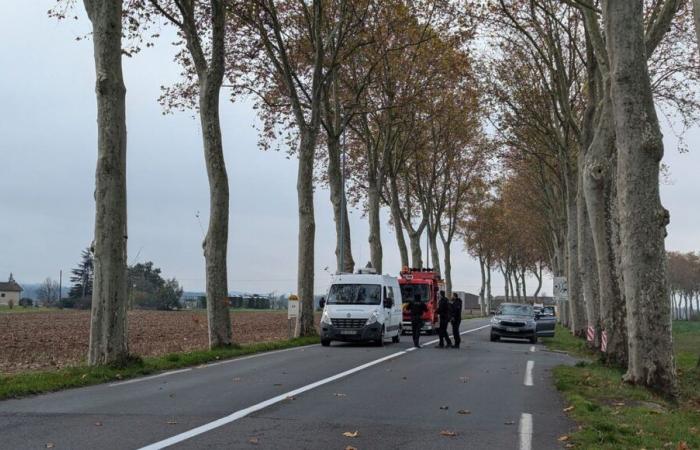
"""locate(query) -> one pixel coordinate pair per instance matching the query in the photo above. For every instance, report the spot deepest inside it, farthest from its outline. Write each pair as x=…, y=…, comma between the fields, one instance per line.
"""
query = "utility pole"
x=60, y=286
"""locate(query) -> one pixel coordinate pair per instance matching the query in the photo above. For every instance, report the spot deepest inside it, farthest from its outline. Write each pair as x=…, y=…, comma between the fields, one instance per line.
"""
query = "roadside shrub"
x=11, y=303
x=26, y=302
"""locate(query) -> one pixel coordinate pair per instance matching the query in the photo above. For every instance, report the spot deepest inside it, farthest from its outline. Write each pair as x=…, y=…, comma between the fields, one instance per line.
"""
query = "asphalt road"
x=392, y=396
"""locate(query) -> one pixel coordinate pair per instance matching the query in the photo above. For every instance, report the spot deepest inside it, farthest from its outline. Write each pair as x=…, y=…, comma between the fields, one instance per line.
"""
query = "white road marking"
x=528, y=373
x=525, y=431
x=228, y=361
x=532, y=349
x=264, y=404
x=136, y=380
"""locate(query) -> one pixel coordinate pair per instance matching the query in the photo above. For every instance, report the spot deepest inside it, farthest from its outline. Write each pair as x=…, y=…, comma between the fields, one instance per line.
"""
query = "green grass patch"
x=19, y=385
x=616, y=415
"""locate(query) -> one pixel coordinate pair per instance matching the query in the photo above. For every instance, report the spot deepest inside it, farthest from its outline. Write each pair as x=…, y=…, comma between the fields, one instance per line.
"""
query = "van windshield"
x=409, y=291
x=355, y=294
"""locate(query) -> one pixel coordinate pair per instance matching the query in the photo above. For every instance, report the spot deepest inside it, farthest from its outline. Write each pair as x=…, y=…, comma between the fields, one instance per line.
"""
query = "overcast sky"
x=47, y=164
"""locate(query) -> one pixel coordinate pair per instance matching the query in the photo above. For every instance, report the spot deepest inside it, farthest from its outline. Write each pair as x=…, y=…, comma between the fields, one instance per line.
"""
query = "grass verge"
x=615, y=415
x=18, y=385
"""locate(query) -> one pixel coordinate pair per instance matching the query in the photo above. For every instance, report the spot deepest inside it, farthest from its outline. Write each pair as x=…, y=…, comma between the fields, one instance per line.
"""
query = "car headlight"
x=373, y=318
x=325, y=318
x=495, y=321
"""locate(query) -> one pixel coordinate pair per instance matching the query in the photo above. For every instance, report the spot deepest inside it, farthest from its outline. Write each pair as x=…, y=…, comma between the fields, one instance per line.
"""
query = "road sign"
x=293, y=307
x=561, y=289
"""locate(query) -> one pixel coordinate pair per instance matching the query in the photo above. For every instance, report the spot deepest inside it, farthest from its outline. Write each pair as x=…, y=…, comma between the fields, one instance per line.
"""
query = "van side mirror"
x=322, y=303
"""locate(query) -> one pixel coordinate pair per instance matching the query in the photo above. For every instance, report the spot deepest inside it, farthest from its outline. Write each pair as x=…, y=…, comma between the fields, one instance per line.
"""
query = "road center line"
x=528, y=373
x=525, y=431
x=269, y=402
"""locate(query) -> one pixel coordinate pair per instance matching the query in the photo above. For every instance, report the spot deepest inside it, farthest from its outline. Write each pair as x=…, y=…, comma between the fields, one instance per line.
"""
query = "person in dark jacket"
x=417, y=308
x=456, y=313
x=444, y=314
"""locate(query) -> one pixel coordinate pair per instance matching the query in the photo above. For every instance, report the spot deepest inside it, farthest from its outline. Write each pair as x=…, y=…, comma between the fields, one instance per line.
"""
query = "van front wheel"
x=380, y=341
x=396, y=339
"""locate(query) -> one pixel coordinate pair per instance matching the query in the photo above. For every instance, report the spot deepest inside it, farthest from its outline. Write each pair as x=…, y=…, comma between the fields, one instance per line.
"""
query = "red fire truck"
x=426, y=283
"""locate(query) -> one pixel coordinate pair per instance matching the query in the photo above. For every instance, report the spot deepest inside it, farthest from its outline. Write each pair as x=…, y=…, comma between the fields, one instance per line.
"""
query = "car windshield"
x=355, y=294
x=409, y=291
x=515, y=310
x=548, y=310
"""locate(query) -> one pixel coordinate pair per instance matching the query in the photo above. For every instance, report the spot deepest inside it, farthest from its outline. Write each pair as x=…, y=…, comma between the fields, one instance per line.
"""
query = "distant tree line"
x=684, y=278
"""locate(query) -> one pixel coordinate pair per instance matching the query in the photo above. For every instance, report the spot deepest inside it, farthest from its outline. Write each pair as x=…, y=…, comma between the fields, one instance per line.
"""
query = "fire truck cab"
x=426, y=283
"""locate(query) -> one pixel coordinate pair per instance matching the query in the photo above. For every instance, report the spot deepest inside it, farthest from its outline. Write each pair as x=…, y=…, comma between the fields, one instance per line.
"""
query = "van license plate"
x=512, y=330
x=348, y=332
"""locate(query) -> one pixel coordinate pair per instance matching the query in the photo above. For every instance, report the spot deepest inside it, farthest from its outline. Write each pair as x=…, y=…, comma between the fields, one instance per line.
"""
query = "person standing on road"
x=444, y=315
x=456, y=311
x=417, y=308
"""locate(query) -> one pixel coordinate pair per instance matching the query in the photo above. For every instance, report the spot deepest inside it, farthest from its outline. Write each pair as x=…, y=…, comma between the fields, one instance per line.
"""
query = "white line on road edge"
x=532, y=349
x=262, y=405
x=227, y=361
x=528, y=373
x=525, y=431
x=136, y=380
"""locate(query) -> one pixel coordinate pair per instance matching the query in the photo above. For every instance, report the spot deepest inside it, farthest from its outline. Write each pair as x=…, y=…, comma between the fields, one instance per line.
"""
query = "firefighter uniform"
x=456, y=310
x=444, y=314
x=417, y=310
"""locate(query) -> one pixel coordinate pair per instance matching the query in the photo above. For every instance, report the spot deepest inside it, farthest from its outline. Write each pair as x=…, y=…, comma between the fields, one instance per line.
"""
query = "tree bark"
x=375, y=240
x=482, y=289
x=587, y=264
x=488, y=286
x=307, y=232
x=643, y=219
x=339, y=202
x=108, y=328
x=538, y=275
x=448, y=268
x=216, y=241
x=434, y=253
x=396, y=218
x=577, y=310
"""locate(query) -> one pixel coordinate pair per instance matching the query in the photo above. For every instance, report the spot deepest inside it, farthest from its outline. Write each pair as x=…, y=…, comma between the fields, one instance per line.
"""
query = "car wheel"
x=494, y=337
x=326, y=342
x=380, y=341
x=396, y=339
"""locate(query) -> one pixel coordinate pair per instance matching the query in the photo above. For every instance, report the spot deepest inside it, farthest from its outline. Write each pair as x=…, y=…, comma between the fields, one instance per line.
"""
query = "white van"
x=361, y=307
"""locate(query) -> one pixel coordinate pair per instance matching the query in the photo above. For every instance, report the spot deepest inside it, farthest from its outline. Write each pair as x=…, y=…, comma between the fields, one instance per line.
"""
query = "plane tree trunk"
x=643, y=219
x=108, y=328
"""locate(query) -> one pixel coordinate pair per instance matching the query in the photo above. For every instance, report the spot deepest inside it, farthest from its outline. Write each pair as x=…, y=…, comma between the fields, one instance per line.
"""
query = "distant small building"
x=10, y=291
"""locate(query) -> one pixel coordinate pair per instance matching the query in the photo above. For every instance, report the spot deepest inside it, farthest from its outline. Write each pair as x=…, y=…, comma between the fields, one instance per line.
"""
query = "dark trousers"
x=442, y=332
x=415, y=330
x=455, y=332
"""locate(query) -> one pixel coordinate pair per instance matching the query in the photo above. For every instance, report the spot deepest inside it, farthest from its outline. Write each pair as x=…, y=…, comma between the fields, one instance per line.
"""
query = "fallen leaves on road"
x=351, y=434
x=444, y=408
x=171, y=422
x=253, y=441
x=350, y=447
x=291, y=397
x=563, y=438
x=463, y=379
x=448, y=433
x=510, y=422
x=49, y=445
x=570, y=408
x=464, y=412
x=98, y=424
x=236, y=379
x=338, y=394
